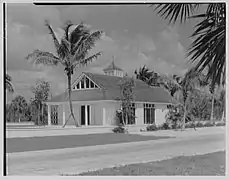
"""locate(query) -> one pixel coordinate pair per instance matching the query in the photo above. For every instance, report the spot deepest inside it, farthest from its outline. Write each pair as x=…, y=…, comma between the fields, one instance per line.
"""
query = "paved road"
x=81, y=159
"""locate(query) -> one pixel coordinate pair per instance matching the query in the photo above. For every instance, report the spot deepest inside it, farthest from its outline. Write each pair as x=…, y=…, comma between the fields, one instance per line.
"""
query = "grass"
x=72, y=141
x=206, y=165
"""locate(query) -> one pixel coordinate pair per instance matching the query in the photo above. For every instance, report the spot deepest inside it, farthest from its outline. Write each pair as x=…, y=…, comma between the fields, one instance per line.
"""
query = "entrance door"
x=85, y=115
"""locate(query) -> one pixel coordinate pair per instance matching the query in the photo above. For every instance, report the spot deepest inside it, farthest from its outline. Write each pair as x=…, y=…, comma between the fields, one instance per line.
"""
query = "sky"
x=134, y=34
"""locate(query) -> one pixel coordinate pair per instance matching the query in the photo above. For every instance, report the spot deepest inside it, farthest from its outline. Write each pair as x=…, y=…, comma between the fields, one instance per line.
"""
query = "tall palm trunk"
x=183, y=123
x=223, y=115
x=38, y=113
x=123, y=120
x=42, y=110
x=70, y=103
x=212, y=109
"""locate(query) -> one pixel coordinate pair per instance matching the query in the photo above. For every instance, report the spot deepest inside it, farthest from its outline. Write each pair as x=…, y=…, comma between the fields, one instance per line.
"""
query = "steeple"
x=113, y=70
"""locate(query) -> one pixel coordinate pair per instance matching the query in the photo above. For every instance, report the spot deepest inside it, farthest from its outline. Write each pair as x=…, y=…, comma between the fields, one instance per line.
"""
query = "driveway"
x=81, y=159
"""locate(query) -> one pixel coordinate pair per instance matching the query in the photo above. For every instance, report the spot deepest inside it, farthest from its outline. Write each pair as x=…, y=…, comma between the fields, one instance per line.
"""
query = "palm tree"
x=180, y=88
x=150, y=77
x=210, y=35
x=8, y=83
x=212, y=87
x=19, y=105
x=72, y=51
x=143, y=74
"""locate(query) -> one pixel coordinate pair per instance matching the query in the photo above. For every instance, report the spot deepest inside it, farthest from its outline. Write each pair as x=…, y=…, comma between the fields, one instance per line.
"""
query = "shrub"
x=119, y=129
x=220, y=124
x=165, y=126
x=151, y=127
x=208, y=124
x=199, y=124
x=190, y=125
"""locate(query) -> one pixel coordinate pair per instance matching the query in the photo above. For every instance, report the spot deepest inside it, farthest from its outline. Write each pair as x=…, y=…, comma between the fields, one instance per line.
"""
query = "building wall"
x=160, y=113
x=76, y=111
x=104, y=113
x=109, y=113
x=60, y=114
x=96, y=113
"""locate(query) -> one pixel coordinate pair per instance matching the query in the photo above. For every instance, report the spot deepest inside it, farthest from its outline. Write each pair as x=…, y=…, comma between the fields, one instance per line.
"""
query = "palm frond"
x=86, y=61
x=68, y=24
x=64, y=49
x=9, y=86
x=79, y=31
x=8, y=78
x=174, y=11
x=45, y=58
x=55, y=40
x=209, y=48
x=87, y=44
x=209, y=45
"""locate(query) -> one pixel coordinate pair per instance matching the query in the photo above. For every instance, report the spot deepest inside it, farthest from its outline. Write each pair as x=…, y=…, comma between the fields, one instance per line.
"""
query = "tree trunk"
x=70, y=103
x=223, y=116
x=38, y=113
x=123, y=120
x=42, y=120
x=183, y=123
x=212, y=110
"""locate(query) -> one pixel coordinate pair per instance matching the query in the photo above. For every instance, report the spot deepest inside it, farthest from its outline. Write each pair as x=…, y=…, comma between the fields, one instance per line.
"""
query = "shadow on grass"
x=72, y=141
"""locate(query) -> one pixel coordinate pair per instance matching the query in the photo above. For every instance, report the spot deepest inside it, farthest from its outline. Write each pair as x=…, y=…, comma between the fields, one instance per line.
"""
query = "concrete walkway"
x=76, y=160
x=70, y=130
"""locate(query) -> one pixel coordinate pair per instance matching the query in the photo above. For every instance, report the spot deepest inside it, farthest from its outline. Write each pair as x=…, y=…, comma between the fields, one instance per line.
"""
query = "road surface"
x=82, y=159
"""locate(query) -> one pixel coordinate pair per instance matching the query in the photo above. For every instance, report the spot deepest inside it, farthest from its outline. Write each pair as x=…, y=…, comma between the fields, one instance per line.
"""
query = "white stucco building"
x=94, y=98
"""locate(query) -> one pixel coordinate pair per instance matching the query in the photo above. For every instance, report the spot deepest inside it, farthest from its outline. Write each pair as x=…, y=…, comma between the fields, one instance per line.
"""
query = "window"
x=149, y=113
x=78, y=86
x=85, y=83
x=92, y=84
x=82, y=84
x=54, y=114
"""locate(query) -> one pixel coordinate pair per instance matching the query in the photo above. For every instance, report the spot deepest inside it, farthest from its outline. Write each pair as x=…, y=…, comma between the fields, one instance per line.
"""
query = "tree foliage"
x=72, y=51
x=150, y=77
x=41, y=94
x=16, y=110
x=8, y=83
x=127, y=85
x=208, y=47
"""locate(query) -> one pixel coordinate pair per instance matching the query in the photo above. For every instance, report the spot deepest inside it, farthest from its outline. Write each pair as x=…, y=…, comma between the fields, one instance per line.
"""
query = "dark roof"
x=110, y=91
x=112, y=66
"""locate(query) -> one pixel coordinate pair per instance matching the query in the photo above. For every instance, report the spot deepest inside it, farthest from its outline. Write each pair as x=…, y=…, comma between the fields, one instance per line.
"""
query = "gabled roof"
x=110, y=90
x=112, y=66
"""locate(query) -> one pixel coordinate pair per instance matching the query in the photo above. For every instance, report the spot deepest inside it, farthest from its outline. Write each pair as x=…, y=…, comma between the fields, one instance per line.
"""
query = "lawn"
x=206, y=165
x=72, y=141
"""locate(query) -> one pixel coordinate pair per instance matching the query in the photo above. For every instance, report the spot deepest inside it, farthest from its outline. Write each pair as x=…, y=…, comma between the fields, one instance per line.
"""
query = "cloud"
x=127, y=41
x=33, y=16
x=170, y=49
x=22, y=40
